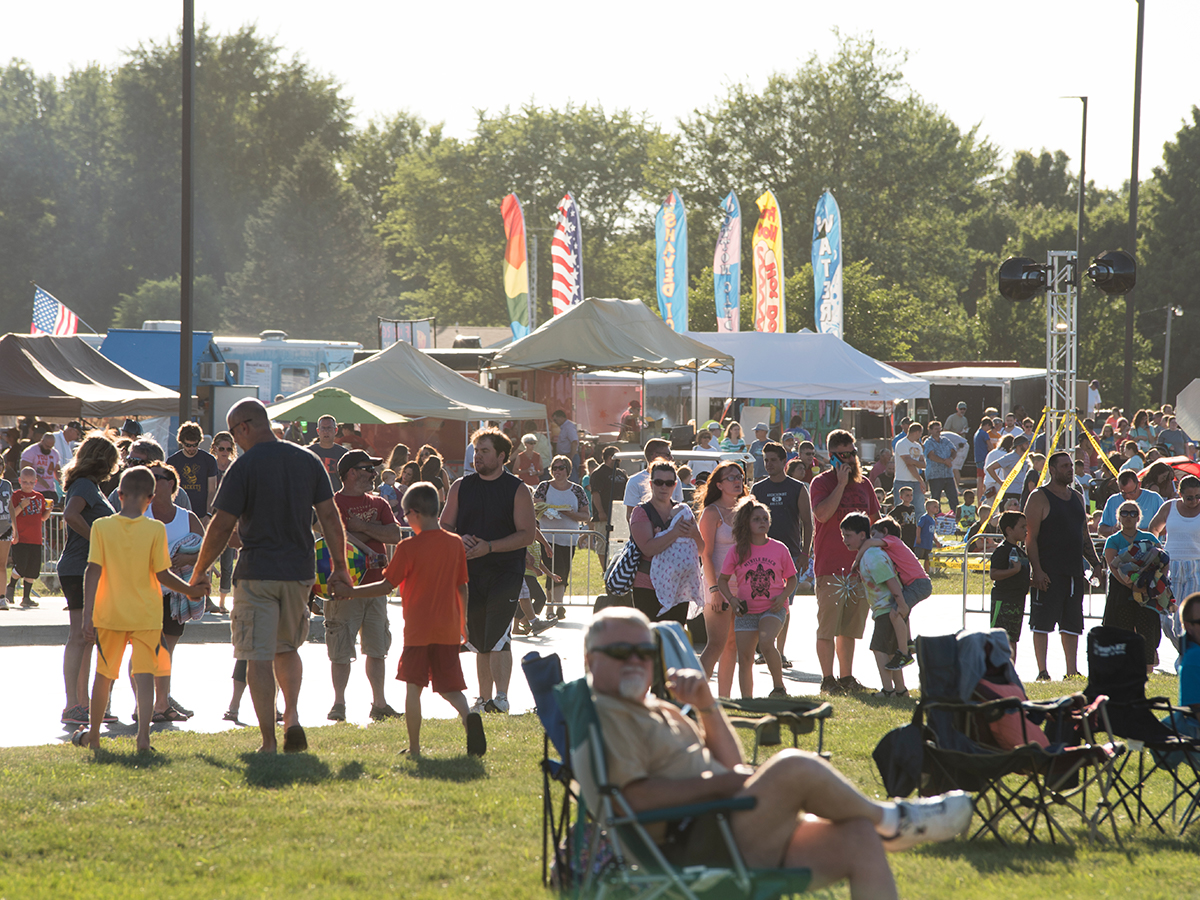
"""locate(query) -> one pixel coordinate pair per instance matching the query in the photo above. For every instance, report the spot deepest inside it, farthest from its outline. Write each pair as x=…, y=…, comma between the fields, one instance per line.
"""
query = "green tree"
x=1169, y=256
x=314, y=266
x=160, y=300
x=903, y=174
x=443, y=227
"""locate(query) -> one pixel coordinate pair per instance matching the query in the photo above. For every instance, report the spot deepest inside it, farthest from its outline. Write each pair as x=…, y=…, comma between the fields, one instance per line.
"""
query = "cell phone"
x=834, y=461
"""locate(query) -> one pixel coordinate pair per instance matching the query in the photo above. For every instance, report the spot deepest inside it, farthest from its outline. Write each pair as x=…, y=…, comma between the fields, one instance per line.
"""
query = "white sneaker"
x=477, y=706
x=499, y=704
x=940, y=818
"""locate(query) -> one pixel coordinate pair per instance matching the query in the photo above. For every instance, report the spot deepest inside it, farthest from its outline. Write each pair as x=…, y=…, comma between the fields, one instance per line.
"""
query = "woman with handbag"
x=725, y=487
x=654, y=527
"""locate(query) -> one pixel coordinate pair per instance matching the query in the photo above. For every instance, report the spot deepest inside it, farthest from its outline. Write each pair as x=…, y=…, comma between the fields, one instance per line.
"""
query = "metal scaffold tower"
x=1062, y=345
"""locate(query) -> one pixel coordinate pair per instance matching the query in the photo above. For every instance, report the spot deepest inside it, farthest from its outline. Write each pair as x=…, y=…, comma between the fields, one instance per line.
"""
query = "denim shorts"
x=749, y=622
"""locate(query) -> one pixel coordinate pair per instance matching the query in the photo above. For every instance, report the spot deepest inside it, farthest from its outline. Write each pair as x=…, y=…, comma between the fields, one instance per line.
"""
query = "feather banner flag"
x=727, y=265
x=50, y=316
x=827, y=265
x=770, y=313
x=670, y=241
x=516, y=266
x=566, y=252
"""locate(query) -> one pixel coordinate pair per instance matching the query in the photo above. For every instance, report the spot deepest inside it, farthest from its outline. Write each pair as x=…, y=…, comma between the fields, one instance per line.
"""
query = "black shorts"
x=695, y=842
x=646, y=600
x=1122, y=611
x=1008, y=612
x=27, y=560
x=1059, y=605
x=491, y=602
x=170, y=626
x=561, y=564
x=72, y=588
x=883, y=638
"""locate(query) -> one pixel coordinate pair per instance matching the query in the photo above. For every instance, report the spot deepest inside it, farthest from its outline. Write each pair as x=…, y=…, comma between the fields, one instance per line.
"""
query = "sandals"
x=171, y=715
x=891, y=695
x=522, y=626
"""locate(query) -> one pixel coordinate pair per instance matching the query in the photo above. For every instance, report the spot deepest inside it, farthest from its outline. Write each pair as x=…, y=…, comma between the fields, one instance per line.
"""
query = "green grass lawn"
x=205, y=817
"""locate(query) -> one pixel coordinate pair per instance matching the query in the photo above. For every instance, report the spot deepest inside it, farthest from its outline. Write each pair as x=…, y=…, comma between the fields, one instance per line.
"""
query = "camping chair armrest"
x=1057, y=704
x=673, y=813
x=991, y=709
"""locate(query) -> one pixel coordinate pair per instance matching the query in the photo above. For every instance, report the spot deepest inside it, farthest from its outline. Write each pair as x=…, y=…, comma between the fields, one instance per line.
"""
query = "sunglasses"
x=191, y=445
x=162, y=477
x=622, y=651
x=223, y=449
x=846, y=454
x=1129, y=514
x=558, y=468
x=364, y=468
x=663, y=482
x=1190, y=498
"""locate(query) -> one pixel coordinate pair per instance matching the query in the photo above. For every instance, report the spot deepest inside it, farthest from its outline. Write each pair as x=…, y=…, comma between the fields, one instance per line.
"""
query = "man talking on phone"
x=841, y=605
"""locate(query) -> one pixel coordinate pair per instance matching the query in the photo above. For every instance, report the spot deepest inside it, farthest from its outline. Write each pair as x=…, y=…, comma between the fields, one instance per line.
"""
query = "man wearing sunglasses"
x=1130, y=489
x=197, y=469
x=841, y=604
x=659, y=757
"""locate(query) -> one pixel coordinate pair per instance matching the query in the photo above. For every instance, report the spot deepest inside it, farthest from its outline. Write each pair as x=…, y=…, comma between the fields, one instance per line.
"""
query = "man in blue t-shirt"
x=269, y=493
x=1131, y=489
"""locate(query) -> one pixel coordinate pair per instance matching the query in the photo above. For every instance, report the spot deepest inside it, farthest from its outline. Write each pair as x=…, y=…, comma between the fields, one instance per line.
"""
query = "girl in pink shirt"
x=766, y=578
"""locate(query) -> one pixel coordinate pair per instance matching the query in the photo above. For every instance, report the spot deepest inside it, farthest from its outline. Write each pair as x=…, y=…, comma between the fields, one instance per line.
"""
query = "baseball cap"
x=131, y=428
x=714, y=426
x=353, y=458
x=760, y=427
x=962, y=405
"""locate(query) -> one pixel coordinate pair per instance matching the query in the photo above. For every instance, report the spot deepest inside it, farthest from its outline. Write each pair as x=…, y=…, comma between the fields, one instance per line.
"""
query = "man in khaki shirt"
x=659, y=757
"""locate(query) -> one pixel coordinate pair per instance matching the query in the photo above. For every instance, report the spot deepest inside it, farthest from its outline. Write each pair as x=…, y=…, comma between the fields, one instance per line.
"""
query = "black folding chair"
x=1018, y=789
x=1117, y=669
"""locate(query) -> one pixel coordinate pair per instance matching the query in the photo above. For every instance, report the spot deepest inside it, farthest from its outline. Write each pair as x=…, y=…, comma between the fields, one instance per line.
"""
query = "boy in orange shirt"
x=430, y=571
x=122, y=603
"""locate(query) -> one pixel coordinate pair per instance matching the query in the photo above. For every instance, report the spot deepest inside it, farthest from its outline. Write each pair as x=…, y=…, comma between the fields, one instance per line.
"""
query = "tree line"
x=307, y=223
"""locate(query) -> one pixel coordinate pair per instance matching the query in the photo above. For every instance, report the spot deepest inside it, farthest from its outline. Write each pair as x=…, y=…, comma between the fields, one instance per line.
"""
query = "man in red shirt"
x=369, y=526
x=841, y=603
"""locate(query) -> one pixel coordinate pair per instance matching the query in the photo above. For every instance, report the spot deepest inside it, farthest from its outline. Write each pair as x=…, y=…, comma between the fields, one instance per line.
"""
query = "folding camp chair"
x=762, y=716
x=544, y=673
x=984, y=742
x=621, y=857
x=1117, y=668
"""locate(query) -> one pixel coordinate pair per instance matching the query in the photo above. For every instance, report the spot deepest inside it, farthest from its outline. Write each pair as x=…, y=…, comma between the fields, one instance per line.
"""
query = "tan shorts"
x=365, y=617
x=268, y=618
x=840, y=614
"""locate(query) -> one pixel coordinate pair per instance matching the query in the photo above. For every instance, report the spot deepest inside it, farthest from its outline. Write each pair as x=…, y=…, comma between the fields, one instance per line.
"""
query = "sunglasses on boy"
x=663, y=482
x=621, y=651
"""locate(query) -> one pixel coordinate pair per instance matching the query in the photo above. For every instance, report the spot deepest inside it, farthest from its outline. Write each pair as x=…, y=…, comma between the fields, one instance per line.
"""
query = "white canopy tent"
x=805, y=366
x=406, y=381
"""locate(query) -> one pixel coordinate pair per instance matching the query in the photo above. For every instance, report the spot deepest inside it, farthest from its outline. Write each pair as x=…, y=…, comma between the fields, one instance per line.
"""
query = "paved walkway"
x=31, y=668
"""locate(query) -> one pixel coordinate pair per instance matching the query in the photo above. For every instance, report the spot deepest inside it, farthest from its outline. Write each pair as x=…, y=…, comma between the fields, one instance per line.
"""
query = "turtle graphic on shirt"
x=760, y=578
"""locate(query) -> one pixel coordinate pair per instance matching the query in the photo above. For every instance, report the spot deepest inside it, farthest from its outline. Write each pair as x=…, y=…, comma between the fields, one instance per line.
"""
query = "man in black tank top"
x=1057, y=543
x=492, y=511
x=791, y=517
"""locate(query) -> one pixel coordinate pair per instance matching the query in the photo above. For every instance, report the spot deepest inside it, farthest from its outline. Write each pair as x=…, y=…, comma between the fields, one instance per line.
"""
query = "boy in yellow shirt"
x=122, y=603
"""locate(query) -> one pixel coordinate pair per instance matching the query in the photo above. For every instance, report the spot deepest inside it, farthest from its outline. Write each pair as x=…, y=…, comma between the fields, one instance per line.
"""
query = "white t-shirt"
x=637, y=489
x=572, y=500
x=908, y=455
x=567, y=434
x=704, y=465
x=988, y=480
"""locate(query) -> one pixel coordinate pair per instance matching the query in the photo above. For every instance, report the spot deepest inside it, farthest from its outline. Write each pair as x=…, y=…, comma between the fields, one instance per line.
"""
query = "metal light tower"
x=1062, y=344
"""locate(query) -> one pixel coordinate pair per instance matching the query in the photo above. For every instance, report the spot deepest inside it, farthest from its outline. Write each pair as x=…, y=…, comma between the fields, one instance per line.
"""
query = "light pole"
x=1173, y=312
x=1133, y=200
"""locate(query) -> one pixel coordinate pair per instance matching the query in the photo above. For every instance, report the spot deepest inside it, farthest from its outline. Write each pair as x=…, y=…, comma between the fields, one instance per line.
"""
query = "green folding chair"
x=621, y=859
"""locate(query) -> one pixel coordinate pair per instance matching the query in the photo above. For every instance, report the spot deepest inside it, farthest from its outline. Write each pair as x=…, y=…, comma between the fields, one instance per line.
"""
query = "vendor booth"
x=821, y=370
x=64, y=377
x=404, y=380
x=604, y=335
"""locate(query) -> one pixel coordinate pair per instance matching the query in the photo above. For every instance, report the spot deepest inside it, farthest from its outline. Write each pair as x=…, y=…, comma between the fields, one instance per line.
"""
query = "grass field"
x=204, y=818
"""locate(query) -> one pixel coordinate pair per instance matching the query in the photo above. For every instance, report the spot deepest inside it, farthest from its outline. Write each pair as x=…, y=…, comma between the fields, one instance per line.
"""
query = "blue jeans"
x=918, y=500
x=938, y=485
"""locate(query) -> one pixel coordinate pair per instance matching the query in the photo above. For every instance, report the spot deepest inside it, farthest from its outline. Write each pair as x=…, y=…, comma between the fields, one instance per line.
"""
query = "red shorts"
x=432, y=662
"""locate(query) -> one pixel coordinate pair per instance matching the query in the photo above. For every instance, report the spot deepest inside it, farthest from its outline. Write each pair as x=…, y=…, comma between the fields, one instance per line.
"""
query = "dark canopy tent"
x=63, y=377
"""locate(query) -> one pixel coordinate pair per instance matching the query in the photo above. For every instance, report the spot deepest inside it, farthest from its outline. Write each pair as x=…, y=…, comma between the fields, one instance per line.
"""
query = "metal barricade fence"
x=587, y=564
x=977, y=591
x=54, y=539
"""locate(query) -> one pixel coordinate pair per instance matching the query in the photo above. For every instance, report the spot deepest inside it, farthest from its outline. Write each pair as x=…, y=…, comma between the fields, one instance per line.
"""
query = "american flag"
x=51, y=317
x=567, y=256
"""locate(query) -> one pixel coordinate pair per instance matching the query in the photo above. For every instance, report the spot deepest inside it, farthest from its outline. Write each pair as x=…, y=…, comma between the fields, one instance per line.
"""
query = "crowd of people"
x=146, y=535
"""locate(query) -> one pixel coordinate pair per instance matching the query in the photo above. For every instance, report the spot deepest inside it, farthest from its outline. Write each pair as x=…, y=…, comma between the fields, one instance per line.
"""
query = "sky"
x=1001, y=66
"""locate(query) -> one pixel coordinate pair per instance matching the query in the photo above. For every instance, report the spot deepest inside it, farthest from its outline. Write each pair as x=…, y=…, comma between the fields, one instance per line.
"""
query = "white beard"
x=633, y=686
